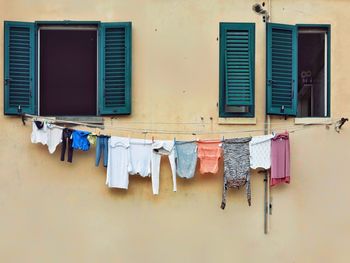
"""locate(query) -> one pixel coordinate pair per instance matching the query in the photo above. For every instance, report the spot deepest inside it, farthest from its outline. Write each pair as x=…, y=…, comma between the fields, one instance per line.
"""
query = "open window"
x=67, y=68
x=298, y=70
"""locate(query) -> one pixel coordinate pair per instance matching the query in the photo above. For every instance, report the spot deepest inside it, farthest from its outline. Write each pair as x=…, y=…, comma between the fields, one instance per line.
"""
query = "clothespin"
x=152, y=139
x=223, y=138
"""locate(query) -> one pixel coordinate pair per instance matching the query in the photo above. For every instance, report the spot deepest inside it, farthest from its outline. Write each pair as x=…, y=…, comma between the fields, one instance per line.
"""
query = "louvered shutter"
x=19, y=68
x=239, y=59
x=114, y=68
x=281, y=86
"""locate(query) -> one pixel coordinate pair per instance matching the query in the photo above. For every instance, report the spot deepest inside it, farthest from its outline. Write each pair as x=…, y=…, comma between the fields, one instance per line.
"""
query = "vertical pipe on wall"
x=267, y=130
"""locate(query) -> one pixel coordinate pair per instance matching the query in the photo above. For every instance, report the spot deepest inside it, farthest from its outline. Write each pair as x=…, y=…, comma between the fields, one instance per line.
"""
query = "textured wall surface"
x=53, y=211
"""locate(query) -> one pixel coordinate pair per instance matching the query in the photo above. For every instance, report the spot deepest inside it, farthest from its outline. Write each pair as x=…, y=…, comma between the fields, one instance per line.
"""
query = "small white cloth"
x=260, y=152
x=118, y=162
x=140, y=157
x=162, y=148
x=49, y=134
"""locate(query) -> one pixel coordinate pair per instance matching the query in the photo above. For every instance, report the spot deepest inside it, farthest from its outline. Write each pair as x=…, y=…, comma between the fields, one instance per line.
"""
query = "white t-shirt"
x=260, y=152
x=140, y=157
x=118, y=162
x=49, y=134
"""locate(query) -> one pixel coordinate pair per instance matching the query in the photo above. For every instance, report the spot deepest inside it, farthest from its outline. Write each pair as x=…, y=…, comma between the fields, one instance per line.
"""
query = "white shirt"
x=49, y=134
x=118, y=162
x=140, y=157
x=260, y=152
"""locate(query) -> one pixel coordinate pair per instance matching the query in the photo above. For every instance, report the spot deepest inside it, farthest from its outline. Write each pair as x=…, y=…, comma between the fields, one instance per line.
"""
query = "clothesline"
x=118, y=121
x=290, y=128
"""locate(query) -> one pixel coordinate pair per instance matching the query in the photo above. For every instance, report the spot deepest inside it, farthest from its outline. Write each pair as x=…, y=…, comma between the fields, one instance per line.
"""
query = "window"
x=298, y=70
x=237, y=51
x=67, y=68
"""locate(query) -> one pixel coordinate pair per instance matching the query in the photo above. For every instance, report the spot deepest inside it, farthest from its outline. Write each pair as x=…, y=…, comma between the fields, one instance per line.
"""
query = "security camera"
x=257, y=8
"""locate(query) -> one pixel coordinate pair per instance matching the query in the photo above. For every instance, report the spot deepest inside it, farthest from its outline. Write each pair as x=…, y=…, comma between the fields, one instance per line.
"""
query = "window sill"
x=80, y=119
x=239, y=121
x=315, y=121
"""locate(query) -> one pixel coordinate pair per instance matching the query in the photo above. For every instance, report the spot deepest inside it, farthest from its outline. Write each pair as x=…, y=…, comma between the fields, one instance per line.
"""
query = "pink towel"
x=280, y=159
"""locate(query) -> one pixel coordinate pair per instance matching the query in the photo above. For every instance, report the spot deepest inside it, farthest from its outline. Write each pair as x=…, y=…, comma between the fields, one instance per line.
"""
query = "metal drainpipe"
x=267, y=130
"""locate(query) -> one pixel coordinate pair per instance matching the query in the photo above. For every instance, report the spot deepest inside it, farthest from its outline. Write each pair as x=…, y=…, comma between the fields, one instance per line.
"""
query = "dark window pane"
x=68, y=77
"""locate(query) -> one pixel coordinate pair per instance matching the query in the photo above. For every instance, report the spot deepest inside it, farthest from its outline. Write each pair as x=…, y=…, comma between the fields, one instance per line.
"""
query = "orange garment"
x=209, y=153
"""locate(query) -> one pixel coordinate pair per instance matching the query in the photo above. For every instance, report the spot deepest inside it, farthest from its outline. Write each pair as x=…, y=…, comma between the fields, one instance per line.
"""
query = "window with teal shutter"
x=281, y=86
x=19, y=68
x=237, y=51
x=115, y=68
x=49, y=66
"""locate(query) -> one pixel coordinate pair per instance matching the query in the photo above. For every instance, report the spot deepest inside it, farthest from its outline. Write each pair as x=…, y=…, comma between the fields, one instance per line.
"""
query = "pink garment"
x=280, y=159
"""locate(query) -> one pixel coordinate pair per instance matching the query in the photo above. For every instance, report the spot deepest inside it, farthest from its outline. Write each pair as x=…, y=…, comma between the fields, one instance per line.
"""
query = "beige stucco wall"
x=52, y=211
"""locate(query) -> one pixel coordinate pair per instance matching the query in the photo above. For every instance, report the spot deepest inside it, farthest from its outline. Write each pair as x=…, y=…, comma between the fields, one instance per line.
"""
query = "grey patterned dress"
x=236, y=166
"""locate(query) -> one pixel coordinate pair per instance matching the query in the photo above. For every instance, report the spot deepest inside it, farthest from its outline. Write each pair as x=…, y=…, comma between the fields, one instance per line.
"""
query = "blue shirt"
x=80, y=141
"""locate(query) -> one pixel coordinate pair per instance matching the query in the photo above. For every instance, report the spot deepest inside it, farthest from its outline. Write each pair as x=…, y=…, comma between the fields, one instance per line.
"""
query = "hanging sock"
x=209, y=153
x=102, y=149
x=236, y=166
x=280, y=159
x=46, y=134
x=67, y=141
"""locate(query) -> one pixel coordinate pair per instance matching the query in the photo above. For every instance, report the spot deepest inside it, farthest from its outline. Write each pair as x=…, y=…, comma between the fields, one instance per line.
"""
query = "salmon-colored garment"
x=209, y=153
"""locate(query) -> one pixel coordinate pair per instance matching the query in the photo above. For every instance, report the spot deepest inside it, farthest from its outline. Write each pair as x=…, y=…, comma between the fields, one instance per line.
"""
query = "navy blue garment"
x=67, y=139
x=102, y=147
x=80, y=141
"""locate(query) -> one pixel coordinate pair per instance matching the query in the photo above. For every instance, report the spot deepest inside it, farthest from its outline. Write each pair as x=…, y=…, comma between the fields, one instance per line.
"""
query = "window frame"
x=222, y=89
x=328, y=28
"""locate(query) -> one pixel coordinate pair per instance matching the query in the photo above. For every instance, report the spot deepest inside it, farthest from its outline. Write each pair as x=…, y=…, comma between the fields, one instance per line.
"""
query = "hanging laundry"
x=162, y=148
x=260, y=152
x=80, y=141
x=280, y=159
x=236, y=166
x=67, y=141
x=118, y=162
x=47, y=134
x=140, y=157
x=209, y=153
x=92, y=138
x=101, y=148
x=186, y=158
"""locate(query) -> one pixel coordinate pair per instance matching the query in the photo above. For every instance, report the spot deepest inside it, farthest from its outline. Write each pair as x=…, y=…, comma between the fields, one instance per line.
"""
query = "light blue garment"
x=102, y=148
x=80, y=141
x=186, y=158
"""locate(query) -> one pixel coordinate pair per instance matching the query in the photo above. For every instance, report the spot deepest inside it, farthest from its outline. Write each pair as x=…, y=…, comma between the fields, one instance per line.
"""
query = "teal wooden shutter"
x=281, y=86
x=19, y=68
x=239, y=62
x=114, y=96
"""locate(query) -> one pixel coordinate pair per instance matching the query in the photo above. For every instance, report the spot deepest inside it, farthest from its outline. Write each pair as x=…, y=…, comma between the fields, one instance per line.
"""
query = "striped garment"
x=236, y=166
